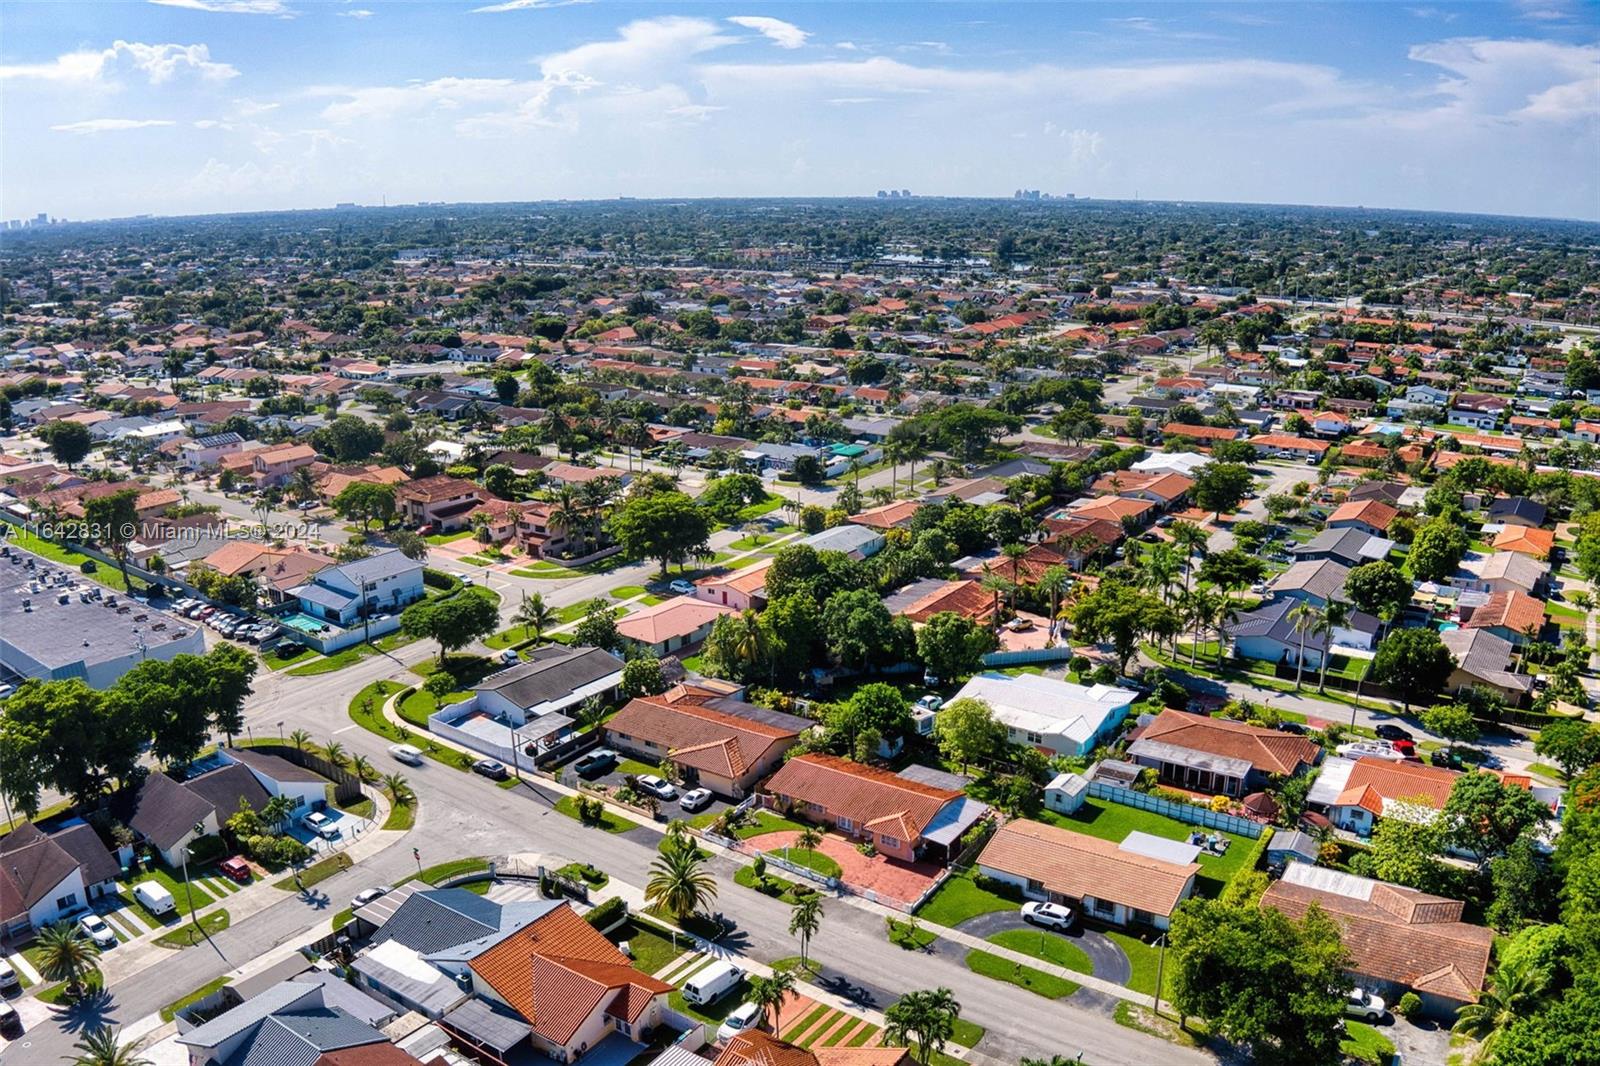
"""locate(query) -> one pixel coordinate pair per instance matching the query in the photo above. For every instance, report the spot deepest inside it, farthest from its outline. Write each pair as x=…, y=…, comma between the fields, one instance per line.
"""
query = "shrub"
x=438, y=579
x=1003, y=889
x=1172, y=795
x=89, y=566
x=758, y=868
x=1409, y=1004
x=867, y=848
x=1220, y=803
x=207, y=848
x=439, y=685
x=608, y=913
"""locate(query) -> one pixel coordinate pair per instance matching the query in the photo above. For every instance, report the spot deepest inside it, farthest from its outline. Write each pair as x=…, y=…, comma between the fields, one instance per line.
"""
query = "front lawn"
x=1047, y=946
x=174, y=883
x=170, y=1011
x=1365, y=1044
x=1144, y=961
x=277, y=661
x=960, y=898
x=187, y=936
x=762, y=821
x=315, y=873
x=610, y=821
x=1036, y=981
x=811, y=860
x=651, y=950
x=1114, y=821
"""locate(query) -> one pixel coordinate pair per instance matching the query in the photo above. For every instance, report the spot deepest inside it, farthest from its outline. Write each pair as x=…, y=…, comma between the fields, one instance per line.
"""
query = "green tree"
x=454, y=622
x=1219, y=487
x=69, y=441
x=66, y=736
x=1232, y=569
x=859, y=629
x=667, y=526
x=1405, y=849
x=1523, y=886
x=770, y=993
x=642, y=677
x=679, y=882
x=1484, y=816
x=1453, y=721
x=1260, y=979
x=63, y=953
x=364, y=502
x=1414, y=663
x=534, y=616
x=409, y=544
x=113, y=522
x=804, y=920
x=598, y=629
x=1571, y=744
x=967, y=732
x=873, y=710
x=1513, y=993
x=99, y=1047
x=1123, y=615
x=952, y=646
x=1436, y=551
x=1585, y=553
x=924, y=1021
x=349, y=439
x=1378, y=588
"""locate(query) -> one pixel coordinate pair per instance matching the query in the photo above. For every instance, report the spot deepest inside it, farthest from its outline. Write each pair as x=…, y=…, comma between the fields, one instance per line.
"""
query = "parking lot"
x=616, y=777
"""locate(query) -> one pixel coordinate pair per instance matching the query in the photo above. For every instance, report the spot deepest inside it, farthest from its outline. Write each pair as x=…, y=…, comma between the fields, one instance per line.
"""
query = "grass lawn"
x=1365, y=1044
x=276, y=661
x=416, y=707
x=1143, y=960
x=445, y=870
x=1114, y=821
x=609, y=820
x=1036, y=981
x=637, y=766
x=1545, y=770
x=907, y=936
x=780, y=888
x=589, y=874
x=315, y=873
x=765, y=507
x=545, y=572
x=960, y=898
x=628, y=592
x=174, y=884
x=811, y=860
x=760, y=822
x=366, y=707
x=966, y=1033
x=170, y=1011
x=797, y=1032
x=340, y=659
x=402, y=816
x=186, y=936
x=1046, y=946
x=651, y=949
x=713, y=1014
x=58, y=993
x=109, y=576
x=446, y=538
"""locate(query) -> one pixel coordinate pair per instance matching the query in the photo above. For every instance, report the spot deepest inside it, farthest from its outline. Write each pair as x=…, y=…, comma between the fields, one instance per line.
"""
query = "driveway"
x=884, y=878
x=1107, y=960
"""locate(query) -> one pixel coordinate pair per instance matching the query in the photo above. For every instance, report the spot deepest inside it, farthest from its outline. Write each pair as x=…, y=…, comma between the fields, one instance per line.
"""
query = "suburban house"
x=1270, y=634
x=1501, y=572
x=1164, y=489
x=275, y=570
x=273, y=467
x=1376, y=788
x=1517, y=511
x=1399, y=939
x=504, y=978
x=1284, y=446
x=1512, y=616
x=1484, y=659
x=567, y=474
x=1478, y=410
x=44, y=878
x=922, y=599
x=553, y=679
x=754, y=1047
x=1350, y=547
x=1524, y=540
x=165, y=812
x=858, y=542
x=1311, y=581
x=724, y=744
x=1056, y=717
x=308, y=1019
x=441, y=501
x=745, y=589
x=538, y=535
x=204, y=452
x=1130, y=883
x=280, y=777
x=902, y=818
x=343, y=595
x=1217, y=755
x=1370, y=516
x=895, y=515
x=672, y=624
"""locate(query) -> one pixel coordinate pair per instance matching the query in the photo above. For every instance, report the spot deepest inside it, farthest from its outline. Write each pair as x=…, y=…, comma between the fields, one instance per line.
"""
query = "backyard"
x=1114, y=821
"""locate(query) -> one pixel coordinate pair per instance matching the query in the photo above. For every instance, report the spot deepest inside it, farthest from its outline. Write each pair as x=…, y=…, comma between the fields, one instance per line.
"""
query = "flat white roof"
x=1154, y=847
x=1044, y=705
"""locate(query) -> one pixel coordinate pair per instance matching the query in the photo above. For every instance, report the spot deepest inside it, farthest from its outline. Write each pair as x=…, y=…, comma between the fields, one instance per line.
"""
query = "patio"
x=885, y=878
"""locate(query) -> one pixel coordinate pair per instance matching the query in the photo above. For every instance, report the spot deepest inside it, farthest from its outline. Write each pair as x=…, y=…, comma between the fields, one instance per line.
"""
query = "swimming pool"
x=304, y=622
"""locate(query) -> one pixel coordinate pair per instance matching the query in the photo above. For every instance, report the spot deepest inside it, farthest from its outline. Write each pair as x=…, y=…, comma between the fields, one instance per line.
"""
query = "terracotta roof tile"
x=866, y=795
x=1077, y=865
x=1264, y=749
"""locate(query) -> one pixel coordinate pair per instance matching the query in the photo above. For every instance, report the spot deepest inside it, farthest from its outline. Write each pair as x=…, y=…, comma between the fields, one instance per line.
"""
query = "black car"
x=1291, y=727
x=489, y=768
x=1393, y=732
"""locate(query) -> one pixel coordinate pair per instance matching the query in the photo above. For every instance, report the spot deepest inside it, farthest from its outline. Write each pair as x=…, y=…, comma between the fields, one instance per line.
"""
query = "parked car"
x=744, y=1016
x=510, y=657
x=10, y=1020
x=463, y=577
x=659, y=787
x=367, y=895
x=9, y=981
x=1049, y=915
x=930, y=702
x=1364, y=1005
x=494, y=771
x=407, y=754
x=1447, y=759
x=595, y=762
x=1405, y=747
x=1393, y=732
x=1020, y=625
x=320, y=824
x=425, y=531
x=235, y=869
x=155, y=897
x=682, y=587
x=695, y=798
x=712, y=983
x=95, y=928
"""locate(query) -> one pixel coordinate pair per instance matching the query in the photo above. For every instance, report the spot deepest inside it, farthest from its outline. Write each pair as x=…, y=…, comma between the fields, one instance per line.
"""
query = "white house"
x=1057, y=717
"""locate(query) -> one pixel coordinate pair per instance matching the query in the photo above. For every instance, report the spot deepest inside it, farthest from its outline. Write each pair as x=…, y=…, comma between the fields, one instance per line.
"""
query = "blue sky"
x=182, y=106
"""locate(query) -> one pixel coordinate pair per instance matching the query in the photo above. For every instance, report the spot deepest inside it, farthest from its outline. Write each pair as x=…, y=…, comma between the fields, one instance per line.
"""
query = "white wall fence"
x=1183, y=812
x=1057, y=654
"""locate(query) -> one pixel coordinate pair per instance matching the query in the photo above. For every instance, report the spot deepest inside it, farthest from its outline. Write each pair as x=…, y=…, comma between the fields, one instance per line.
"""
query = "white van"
x=155, y=898
x=406, y=754
x=712, y=983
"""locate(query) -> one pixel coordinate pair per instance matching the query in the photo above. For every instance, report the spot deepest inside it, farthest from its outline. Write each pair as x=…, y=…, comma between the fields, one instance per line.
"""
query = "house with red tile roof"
x=724, y=744
x=892, y=812
x=740, y=589
x=1218, y=755
x=753, y=1047
x=1200, y=435
x=895, y=515
x=1115, y=883
x=1285, y=446
x=1116, y=509
x=441, y=501
x=1526, y=540
x=1511, y=615
x=1377, y=788
x=1369, y=516
x=672, y=624
x=1165, y=488
x=921, y=600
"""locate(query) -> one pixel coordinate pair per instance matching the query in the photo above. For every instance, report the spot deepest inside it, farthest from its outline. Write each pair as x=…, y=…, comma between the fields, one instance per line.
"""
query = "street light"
x=1161, y=961
x=188, y=891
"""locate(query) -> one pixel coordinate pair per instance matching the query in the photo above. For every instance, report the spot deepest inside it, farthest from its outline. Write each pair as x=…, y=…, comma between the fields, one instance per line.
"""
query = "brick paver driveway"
x=887, y=878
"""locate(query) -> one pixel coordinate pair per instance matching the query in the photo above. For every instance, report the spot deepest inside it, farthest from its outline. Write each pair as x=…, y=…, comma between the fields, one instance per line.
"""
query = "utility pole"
x=1161, y=962
x=188, y=890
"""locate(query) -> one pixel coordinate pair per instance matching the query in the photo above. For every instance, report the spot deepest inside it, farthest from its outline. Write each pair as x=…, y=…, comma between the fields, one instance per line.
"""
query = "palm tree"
x=1514, y=993
x=63, y=953
x=277, y=810
x=399, y=789
x=1303, y=616
x=750, y=640
x=770, y=993
x=567, y=513
x=996, y=584
x=924, y=1021
x=807, y=840
x=679, y=882
x=334, y=753
x=99, y=1047
x=1333, y=616
x=1052, y=583
x=1191, y=540
x=534, y=614
x=1014, y=552
x=362, y=767
x=300, y=739
x=804, y=921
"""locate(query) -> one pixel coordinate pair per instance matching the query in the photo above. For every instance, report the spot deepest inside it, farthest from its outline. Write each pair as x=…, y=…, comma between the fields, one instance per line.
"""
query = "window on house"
x=889, y=842
x=845, y=823
x=69, y=900
x=1102, y=907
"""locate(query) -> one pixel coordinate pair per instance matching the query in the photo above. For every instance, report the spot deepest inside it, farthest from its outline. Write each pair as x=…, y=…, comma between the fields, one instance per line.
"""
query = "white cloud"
x=232, y=7
x=1511, y=79
x=157, y=62
x=212, y=124
x=524, y=5
x=781, y=33
x=358, y=13
x=111, y=125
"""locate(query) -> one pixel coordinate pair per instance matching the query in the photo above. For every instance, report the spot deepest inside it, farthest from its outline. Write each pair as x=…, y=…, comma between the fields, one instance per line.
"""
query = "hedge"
x=439, y=579
x=608, y=913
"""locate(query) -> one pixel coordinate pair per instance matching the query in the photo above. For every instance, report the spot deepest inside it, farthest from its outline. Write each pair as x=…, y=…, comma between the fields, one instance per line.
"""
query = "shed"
x=1066, y=792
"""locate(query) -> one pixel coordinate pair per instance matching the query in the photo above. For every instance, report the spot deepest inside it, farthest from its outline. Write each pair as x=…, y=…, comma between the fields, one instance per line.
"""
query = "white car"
x=682, y=587
x=659, y=787
x=95, y=928
x=1364, y=1005
x=367, y=895
x=695, y=798
x=930, y=702
x=321, y=825
x=1049, y=915
x=744, y=1016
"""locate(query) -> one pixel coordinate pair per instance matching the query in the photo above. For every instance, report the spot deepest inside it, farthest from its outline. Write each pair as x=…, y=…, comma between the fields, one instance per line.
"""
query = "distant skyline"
x=199, y=106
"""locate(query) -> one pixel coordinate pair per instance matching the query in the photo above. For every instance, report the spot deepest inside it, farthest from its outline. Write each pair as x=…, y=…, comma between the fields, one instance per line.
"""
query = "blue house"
x=367, y=594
